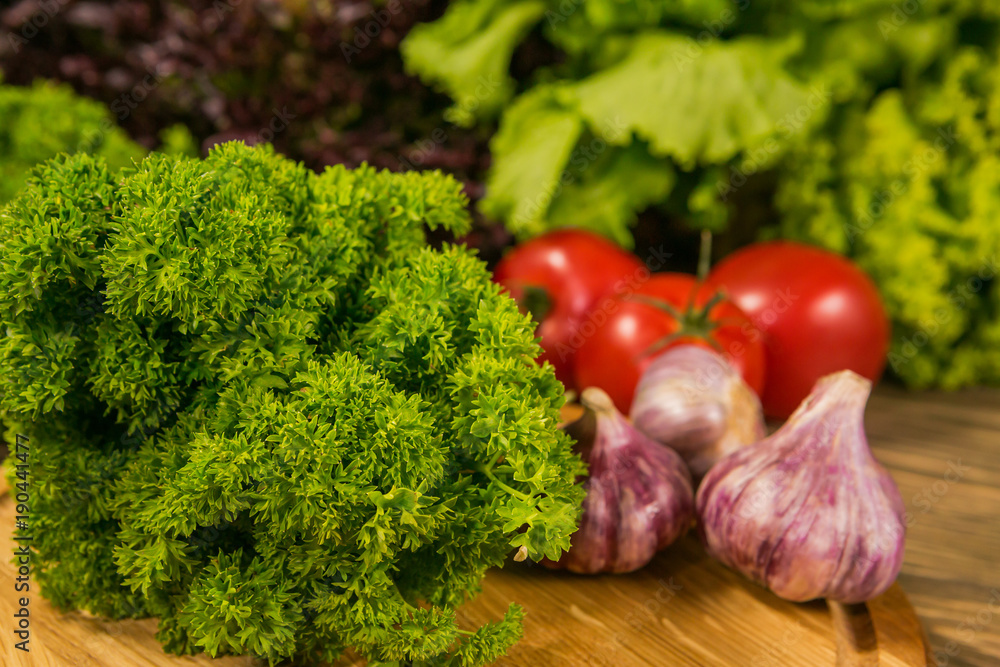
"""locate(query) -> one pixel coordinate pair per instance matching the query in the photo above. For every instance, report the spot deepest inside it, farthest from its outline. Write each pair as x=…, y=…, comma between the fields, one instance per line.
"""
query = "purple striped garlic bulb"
x=692, y=400
x=808, y=512
x=639, y=496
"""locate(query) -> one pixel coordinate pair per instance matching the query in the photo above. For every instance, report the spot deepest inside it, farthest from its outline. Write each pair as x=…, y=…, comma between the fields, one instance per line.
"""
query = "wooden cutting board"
x=682, y=609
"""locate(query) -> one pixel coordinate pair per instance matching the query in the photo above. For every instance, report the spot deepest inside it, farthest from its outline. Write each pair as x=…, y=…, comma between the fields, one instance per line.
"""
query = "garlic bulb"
x=808, y=511
x=691, y=399
x=639, y=496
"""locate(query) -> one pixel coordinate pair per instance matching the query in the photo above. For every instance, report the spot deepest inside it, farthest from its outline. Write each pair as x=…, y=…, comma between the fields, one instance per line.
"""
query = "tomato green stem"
x=704, y=255
x=693, y=322
x=662, y=305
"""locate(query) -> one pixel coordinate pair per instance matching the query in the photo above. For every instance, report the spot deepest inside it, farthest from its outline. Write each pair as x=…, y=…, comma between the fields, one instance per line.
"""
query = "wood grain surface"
x=943, y=450
x=681, y=609
x=944, y=453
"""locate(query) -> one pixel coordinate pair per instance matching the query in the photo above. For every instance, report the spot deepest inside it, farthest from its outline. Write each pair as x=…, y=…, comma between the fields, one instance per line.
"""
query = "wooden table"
x=944, y=452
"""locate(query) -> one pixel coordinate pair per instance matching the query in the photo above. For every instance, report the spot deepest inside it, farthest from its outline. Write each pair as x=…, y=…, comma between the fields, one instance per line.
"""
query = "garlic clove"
x=692, y=400
x=639, y=495
x=808, y=512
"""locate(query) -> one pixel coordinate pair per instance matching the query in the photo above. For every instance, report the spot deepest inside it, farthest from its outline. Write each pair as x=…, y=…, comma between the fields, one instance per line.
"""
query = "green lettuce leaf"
x=466, y=53
x=701, y=104
x=530, y=152
x=577, y=28
x=605, y=195
x=572, y=154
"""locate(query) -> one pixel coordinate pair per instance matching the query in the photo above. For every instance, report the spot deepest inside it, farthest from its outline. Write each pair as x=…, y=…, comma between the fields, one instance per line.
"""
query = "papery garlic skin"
x=808, y=512
x=692, y=400
x=639, y=496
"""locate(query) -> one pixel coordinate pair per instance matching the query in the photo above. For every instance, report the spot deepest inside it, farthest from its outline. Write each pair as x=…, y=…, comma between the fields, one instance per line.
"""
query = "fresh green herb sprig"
x=268, y=413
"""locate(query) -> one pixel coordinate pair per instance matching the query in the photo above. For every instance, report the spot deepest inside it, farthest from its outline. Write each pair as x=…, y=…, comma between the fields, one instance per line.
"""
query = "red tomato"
x=559, y=277
x=616, y=354
x=819, y=313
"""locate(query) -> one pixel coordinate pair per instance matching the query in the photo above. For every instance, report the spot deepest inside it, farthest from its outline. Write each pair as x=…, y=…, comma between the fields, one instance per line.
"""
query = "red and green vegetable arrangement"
x=255, y=387
x=778, y=329
x=268, y=413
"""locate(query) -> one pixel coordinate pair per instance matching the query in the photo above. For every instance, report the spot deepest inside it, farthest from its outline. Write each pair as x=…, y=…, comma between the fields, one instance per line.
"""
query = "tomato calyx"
x=693, y=322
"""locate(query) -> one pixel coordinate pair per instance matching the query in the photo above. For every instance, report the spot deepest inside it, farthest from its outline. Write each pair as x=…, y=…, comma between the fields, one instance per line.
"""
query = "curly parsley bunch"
x=265, y=411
